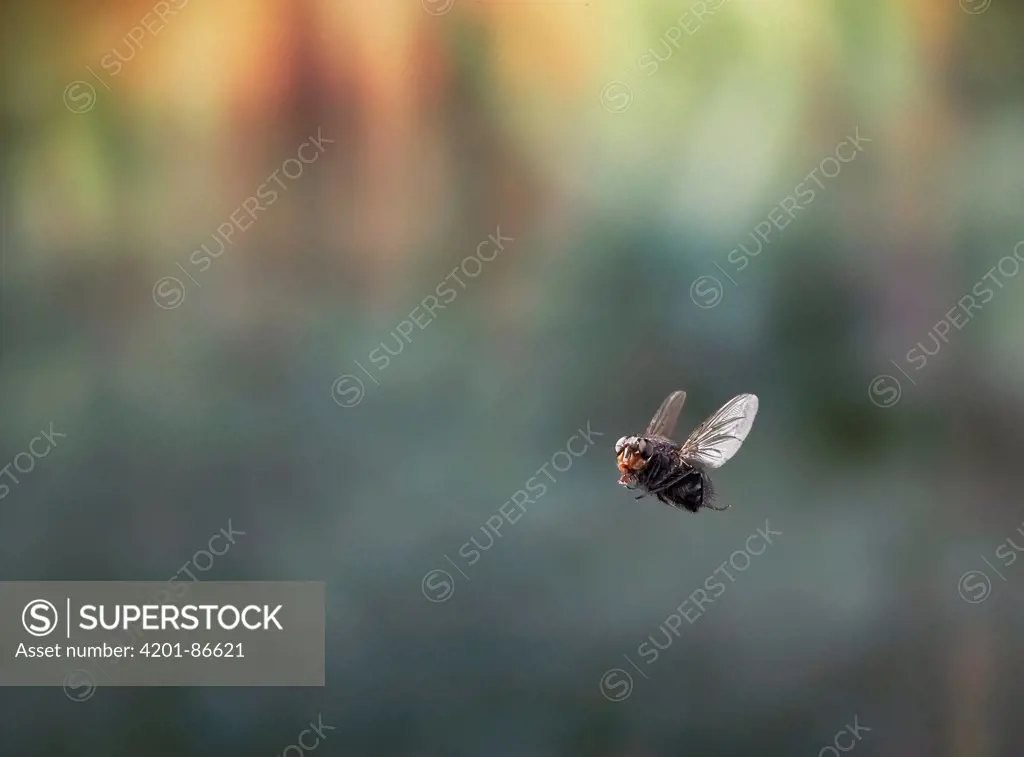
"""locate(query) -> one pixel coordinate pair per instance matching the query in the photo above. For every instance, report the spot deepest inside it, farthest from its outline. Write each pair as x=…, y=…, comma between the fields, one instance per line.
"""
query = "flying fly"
x=677, y=474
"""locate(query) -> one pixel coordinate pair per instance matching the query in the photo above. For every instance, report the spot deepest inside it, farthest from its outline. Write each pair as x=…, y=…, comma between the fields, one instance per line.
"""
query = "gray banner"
x=82, y=634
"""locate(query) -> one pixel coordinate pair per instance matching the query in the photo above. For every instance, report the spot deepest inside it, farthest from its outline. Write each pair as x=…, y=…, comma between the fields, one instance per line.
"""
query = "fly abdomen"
x=691, y=492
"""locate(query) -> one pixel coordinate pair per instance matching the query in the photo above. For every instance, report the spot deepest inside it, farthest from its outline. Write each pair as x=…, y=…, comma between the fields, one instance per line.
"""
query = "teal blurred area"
x=245, y=271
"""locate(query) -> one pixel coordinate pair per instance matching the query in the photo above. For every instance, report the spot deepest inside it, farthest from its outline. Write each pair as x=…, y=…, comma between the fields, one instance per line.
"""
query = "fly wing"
x=718, y=438
x=664, y=421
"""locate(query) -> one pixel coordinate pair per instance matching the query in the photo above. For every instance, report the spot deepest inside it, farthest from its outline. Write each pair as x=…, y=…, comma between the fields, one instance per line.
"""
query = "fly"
x=677, y=474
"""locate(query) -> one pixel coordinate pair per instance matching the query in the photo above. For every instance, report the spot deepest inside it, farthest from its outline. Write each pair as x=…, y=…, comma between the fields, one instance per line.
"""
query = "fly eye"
x=642, y=448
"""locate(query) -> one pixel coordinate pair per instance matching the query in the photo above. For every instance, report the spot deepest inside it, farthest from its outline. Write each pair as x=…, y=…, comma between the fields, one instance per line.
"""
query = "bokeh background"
x=627, y=148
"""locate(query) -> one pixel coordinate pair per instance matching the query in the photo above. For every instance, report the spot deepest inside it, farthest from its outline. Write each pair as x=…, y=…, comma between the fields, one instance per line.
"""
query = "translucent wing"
x=664, y=421
x=718, y=438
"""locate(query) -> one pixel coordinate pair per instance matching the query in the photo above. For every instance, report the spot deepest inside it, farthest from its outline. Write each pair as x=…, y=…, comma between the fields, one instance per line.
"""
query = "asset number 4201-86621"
x=167, y=649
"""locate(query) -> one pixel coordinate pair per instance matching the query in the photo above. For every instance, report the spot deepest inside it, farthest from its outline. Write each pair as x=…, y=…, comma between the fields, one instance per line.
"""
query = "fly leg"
x=654, y=475
x=670, y=482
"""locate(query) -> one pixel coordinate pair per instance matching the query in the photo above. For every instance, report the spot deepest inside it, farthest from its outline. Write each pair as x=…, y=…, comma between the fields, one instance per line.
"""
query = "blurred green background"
x=628, y=148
